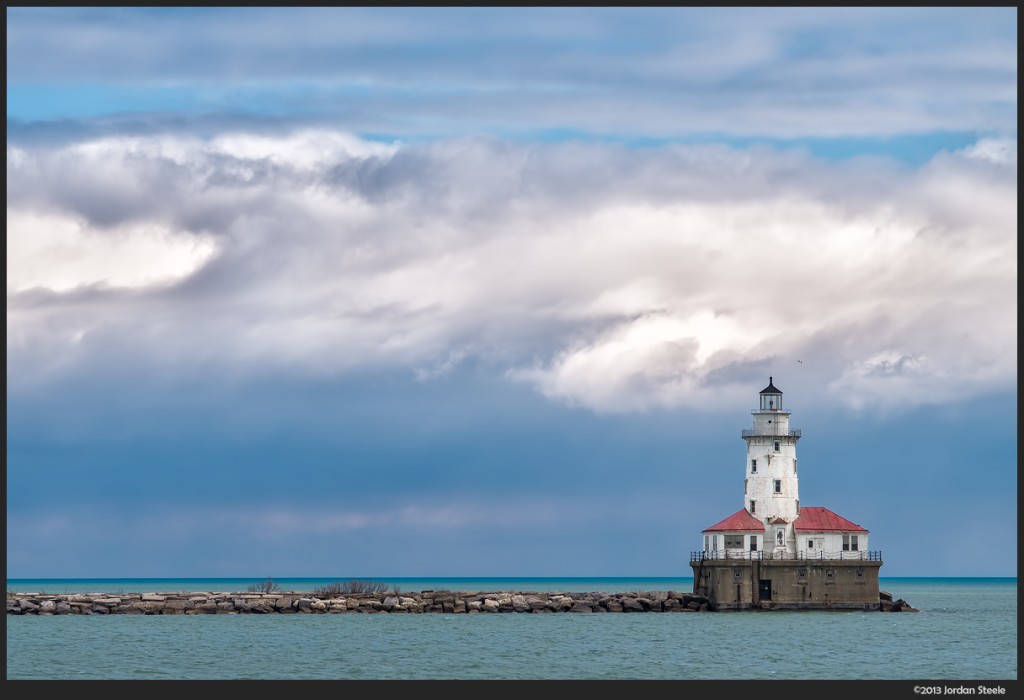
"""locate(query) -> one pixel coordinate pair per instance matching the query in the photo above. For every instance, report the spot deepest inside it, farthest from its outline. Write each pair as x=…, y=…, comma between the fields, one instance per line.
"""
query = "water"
x=967, y=629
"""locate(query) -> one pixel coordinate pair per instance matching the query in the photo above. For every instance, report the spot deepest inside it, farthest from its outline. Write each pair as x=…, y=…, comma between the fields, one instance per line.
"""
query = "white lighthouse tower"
x=771, y=488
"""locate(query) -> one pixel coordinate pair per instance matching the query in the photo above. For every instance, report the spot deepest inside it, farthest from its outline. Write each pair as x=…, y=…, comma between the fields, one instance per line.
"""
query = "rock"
x=427, y=602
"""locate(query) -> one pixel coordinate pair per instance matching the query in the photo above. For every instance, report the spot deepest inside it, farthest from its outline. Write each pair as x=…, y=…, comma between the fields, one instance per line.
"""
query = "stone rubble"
x=394, y=602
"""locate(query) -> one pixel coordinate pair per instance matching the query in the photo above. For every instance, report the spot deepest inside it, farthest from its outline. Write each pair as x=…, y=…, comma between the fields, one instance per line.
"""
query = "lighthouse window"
x=778, y=486
x=753, y=466
x=849, y=543
x=753, y=506
x=753, y=543
x=778, y=537
x=776, y=445
x=734, y=541
x=794, y=466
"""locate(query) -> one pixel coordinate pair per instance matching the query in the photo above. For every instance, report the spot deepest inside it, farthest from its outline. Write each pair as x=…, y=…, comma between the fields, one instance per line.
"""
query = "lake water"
x=966, y=630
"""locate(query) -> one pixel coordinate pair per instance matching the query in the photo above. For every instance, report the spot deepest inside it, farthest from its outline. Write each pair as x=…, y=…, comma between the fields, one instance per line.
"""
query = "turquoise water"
x=967, y=629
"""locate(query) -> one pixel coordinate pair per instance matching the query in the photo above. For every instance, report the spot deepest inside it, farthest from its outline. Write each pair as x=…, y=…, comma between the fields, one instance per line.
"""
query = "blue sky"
x=372, y=292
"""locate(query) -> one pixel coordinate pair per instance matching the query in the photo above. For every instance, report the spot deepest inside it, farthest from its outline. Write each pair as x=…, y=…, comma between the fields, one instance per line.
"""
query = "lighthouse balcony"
x=800, y=555
x=770, y=433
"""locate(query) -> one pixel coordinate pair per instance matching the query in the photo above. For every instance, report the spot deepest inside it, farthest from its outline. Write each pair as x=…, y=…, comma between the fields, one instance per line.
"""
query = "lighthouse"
x=771, y=487
x=773, y=553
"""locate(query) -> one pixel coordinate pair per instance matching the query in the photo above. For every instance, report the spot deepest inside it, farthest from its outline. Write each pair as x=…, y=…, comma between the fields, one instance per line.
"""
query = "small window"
x=753, y=466
x=779, y=538
x=849, y=543
x=778, y=486
x=745, y=487
x=794, y=466
x=753, y=507
x=734, y=541
x=810, y=543
x=828, y=575
x=706, y=548
x=798, y=506
x=753, y=543
x=802, y=574
x=776, y=445
x=860, y=574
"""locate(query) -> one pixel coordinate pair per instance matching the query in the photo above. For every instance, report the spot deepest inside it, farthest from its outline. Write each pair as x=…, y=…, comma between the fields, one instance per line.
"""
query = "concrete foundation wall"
x=788, y=584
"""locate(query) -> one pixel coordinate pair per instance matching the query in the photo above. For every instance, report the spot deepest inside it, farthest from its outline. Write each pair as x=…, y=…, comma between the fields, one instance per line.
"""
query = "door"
x=764, y=589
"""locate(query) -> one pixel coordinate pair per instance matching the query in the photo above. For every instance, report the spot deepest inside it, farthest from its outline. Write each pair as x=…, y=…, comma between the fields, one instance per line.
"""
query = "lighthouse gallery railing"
x=803, y=554
x=777, y=433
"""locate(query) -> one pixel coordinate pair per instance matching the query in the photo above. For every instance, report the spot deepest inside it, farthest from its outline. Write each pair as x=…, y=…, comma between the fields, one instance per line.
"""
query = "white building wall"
x=719, y=542
x=831, y=543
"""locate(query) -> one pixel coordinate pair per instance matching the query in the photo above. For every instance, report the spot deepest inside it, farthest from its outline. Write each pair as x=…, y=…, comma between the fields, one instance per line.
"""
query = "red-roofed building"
x=740, y=521
x=772, y=527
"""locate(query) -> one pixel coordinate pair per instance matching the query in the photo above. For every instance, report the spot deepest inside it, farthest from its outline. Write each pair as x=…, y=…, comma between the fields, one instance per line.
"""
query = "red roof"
x=813, y=519
x=740, y=521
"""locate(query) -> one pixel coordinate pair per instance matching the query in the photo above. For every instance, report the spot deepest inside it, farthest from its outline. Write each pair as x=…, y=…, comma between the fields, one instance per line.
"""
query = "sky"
x=417, y=292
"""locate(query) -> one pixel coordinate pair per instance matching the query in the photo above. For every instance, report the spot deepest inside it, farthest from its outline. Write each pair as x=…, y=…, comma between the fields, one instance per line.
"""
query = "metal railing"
x=777, y=433
x=801, y=555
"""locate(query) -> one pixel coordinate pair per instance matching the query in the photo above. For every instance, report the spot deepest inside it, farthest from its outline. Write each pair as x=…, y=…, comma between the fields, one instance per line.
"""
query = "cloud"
x=58, y=253
x=284, y=522
x=628, y=72
x=611, y=278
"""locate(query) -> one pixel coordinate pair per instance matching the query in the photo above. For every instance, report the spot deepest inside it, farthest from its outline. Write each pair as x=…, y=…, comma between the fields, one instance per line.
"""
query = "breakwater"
x=423, y=602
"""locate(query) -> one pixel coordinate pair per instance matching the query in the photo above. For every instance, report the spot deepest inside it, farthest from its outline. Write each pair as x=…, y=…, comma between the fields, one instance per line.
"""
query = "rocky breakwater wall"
x=291, y=602
x=423, y=602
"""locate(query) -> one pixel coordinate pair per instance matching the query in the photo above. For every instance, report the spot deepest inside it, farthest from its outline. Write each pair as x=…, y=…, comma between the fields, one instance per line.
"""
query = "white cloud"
x=610, y=278
x=308, y=149
x=57, y=252
x=998, y=151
